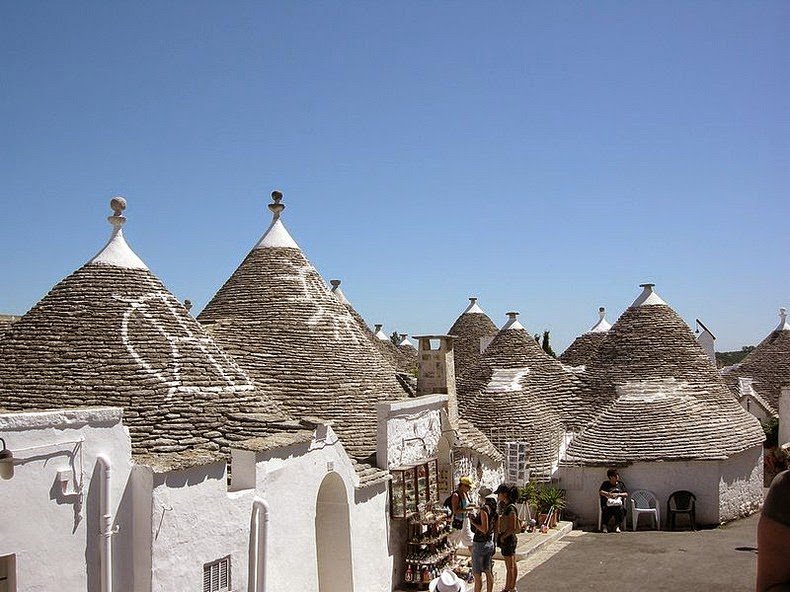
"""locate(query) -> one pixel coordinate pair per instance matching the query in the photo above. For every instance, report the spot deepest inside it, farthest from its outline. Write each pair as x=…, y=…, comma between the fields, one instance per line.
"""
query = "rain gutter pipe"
x=107, y=529
x=260, y=545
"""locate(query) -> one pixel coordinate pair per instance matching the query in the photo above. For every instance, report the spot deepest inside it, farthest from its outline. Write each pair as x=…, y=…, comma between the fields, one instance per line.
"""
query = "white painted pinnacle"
x=473, y=306
x=276, y=236
x=117, y=252
x=783, y=324
x=380, y=334
x=338, y=292
x=404, y=340
x=648, y=296
x=602, y=326
x=512, y=322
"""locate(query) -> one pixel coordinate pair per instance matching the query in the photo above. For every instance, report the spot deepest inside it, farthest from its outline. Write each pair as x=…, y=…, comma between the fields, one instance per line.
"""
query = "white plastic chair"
x=645, y=502
x=600, y=517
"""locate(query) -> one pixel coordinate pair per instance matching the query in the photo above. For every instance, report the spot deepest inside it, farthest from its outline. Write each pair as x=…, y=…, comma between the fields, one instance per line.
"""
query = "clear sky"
x=545, y=157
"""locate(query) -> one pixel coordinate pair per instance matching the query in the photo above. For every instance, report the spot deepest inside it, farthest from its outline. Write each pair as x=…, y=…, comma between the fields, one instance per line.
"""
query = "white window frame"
x=517, y=462
x=216, y=575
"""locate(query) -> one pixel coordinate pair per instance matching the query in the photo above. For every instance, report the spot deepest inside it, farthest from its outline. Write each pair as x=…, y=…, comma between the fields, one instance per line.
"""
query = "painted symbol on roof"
x=160, y=340
x=314, y=292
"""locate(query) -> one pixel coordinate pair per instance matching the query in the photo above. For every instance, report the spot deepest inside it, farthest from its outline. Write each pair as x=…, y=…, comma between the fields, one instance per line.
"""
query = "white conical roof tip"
x=117, y=252
x=404, y=340
x=338, y=292
x=276, y=236
x=473, y=306
x=602, y=326
x=648, y=296
x=783, y=324
x=380, y=334
x=512, y=322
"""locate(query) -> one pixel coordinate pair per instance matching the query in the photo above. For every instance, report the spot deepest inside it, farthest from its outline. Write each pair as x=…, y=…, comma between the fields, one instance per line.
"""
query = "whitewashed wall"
x=724, y=489
x=486, y=472
x=290, y=479
x=409, y=431
x=55, y=537
x=741, y=484
x=194, y=521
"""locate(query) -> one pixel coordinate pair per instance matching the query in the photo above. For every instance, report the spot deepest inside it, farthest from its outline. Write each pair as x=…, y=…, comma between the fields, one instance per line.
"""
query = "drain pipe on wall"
x=260, y=546
x=107, y=529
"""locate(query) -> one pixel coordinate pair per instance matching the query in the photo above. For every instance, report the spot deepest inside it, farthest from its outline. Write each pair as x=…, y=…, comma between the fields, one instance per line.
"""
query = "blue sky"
x=545, y=157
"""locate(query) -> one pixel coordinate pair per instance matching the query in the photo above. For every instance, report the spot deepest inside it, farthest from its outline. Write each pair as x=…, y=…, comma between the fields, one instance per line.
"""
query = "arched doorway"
x=333, y=536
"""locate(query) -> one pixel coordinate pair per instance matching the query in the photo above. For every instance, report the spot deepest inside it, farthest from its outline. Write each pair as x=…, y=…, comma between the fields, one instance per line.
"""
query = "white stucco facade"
x=196, y=519
x=725, y=489
x=51, y=521
x=409, y=431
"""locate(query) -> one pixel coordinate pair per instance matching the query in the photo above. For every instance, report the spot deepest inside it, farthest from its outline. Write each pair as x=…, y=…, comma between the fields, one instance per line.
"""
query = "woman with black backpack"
x=484, y=527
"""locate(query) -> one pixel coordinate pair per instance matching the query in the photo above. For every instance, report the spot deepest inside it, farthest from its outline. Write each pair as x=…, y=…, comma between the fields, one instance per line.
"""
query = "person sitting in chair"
x=613, y=494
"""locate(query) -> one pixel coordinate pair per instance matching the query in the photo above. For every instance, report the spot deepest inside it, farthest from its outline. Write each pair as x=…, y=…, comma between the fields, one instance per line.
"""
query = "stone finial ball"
x=118, y=204
x=277, y=195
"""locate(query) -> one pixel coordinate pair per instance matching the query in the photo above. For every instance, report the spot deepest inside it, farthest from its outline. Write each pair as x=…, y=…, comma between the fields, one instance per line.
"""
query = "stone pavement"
x=719, y=559
x=529, y=546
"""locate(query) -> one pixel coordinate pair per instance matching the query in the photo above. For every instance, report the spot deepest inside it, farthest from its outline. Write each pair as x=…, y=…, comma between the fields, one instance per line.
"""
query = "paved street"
x=720, y=559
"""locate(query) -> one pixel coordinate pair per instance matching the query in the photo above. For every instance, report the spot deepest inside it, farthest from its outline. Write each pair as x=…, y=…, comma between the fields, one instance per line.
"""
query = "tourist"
x=483, y=527
x=507, y=526
x=773, y=537
x=613, y=494
x=447, y=582
x=459, y=508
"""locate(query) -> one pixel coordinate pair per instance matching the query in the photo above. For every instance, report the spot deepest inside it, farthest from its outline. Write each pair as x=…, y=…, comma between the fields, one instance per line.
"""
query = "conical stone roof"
x=112, y=334
x=469, y=328
x=277, y=318
x=768, y=365
x=398, y=359
x=656, y=394
x=518, y=393
x=514, y=348
x=583, y=347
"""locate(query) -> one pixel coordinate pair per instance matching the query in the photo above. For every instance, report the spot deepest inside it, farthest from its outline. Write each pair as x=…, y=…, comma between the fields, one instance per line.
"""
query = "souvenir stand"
x=414, y=498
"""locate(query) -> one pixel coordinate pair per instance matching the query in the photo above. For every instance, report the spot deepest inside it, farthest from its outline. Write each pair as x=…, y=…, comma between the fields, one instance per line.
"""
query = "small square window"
x=216, y=575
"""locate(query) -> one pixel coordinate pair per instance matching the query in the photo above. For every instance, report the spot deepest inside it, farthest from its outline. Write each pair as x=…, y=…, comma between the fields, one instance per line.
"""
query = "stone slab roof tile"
x=369, y=475
x=651, y=344
x=582, y=349
x=472, y=438
x=468, y=329
x=660, y=420
x=161, y=462
x=545, y=378
x=112, y=334
x=275, y=441
x=768, y=365
x=277, y=318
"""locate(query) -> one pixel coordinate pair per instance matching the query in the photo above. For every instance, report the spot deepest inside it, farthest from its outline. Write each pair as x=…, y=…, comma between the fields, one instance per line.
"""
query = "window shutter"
x=216, y=575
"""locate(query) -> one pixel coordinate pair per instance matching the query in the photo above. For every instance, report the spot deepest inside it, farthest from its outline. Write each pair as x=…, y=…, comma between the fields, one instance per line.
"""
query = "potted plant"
x=550, y=497
x=528, y=496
